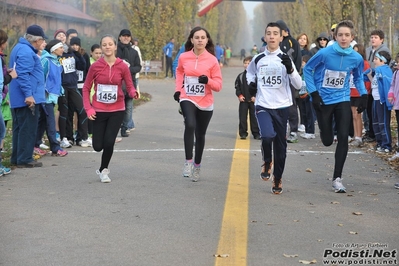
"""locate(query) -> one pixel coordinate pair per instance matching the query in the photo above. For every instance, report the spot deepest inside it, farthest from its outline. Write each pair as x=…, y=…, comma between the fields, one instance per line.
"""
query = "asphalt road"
x=149, y=214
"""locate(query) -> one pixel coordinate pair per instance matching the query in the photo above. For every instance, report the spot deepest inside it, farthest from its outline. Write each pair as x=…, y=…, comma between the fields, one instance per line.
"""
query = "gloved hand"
x=286, y=61
x=252, y=89
x=317, y=101
x=91, y=114
x=203, y=79
x=363, y=103
x=176, y=96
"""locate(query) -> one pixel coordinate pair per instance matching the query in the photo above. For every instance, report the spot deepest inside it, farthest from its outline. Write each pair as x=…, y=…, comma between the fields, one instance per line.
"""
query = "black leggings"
x=105, y=129
x=342, y=116
x=72, y=99
x=196, y=121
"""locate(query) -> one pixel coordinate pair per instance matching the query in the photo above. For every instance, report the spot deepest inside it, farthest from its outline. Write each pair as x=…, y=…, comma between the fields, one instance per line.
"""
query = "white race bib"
x=270, y=77
x=193, y=87
x=334, y=79
x=351, y=82
x=69, y=65
x=80, y=75
x=303, y=89
x=107, y=93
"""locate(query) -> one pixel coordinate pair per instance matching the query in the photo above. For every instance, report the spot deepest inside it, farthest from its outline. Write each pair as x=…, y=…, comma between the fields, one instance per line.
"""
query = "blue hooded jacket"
x=383, y=74
x=30, y=80
x=52, y=72
x=328, y=72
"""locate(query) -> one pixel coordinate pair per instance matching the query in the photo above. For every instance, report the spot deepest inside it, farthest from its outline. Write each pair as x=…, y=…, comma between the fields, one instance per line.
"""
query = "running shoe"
x=38, y=151
x=337, y=186
x=393, y=158
x=84, y=143
x=277, y=186
x=1, y=172
x=104, y=175
x=44, y=146
x=60, y=153
x=397, y=185
x=357, y=142
x=301, y=128
x=187, y=169
x=266, y=172
x=5, y=170
x=292, y=138
x=383, y=151
x=65, y=143
x=307, y=136
x=196, y=174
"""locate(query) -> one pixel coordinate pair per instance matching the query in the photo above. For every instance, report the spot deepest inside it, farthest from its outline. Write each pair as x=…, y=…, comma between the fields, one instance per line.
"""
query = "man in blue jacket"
x=26, y=91
x=168, y=51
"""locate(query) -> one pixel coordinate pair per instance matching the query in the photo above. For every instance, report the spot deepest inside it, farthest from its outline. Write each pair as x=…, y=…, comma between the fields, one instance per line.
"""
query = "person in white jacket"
x=269, y=76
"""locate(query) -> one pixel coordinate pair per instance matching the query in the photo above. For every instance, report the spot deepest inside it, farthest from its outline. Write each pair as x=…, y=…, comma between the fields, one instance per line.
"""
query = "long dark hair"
x=3, y=37
x=210, y=47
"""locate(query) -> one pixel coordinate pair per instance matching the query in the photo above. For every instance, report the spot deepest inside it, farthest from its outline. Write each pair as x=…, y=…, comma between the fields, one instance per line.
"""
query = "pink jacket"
x=102, y=75
x=192, y=66
x=394, y=90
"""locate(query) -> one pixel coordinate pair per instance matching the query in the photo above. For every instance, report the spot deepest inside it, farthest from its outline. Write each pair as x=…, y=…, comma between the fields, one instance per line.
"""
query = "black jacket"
x=242, y=87
x=126, y=52
x=291, y=47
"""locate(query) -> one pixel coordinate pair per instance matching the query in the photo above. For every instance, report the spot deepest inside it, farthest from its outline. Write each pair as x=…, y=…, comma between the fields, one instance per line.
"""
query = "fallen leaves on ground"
x=290, y=256
x=308, y=262
x=221, y=255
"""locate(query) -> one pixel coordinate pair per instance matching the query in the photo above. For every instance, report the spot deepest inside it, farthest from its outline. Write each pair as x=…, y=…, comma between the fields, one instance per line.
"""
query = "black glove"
x=176, y=96
x=286, y=61
x=203, y=79
x=252, y=89
x=316, y=100
x=362, y=104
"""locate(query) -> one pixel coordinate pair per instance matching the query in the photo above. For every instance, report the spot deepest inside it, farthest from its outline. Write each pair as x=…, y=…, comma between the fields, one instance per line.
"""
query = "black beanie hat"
x=74, y=40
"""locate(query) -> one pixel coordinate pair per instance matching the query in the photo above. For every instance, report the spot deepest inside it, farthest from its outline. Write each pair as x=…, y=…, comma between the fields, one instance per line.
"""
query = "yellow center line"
x=232, y=248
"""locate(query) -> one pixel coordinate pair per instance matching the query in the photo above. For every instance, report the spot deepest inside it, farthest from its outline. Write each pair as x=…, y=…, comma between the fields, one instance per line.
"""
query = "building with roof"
x=50, y=15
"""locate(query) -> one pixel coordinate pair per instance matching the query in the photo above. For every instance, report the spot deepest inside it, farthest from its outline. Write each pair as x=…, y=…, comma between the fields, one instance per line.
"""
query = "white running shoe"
x=188, y=169
x=44, y=146
x=393, y=158
x=301, y=128
x=196, y=174
x=104, y=175
x=84, y=143
x=337, y=186
x=308, y=136
x=65, y=143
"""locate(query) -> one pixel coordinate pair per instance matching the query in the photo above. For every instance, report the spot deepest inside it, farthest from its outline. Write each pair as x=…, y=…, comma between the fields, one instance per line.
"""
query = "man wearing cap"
x=26, y=91
x=131, y=57
x=291, y=47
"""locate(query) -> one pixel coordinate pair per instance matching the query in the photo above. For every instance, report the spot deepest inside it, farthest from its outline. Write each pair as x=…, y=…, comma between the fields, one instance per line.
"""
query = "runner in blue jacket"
x=327, y=76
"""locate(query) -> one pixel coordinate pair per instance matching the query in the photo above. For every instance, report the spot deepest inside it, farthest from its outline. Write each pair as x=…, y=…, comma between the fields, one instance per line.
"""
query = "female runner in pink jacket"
x=197, y=76
x=107, y=107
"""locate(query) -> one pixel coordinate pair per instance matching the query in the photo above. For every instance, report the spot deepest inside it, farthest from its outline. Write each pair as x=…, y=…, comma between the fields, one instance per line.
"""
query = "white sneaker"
x=196, y=174
x=65, y=143
x=187, y=169
x=396, y=156
x=337, y=186
x=44, y=146
x=357, y=142
x=84, y=143
x=308, y=136
x=301, y=128
x=104, y=175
